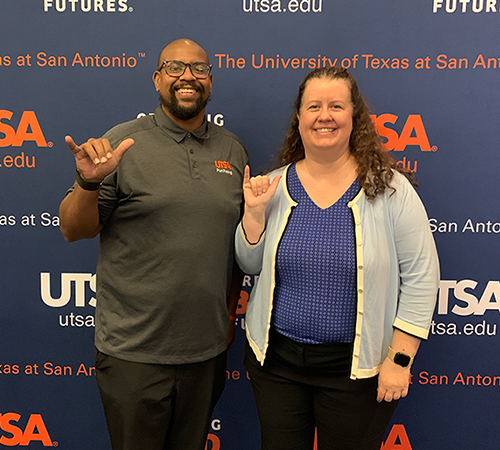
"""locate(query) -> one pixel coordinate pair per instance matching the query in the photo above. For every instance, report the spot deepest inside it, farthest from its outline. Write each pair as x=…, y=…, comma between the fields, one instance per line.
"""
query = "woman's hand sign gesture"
x=258, y=192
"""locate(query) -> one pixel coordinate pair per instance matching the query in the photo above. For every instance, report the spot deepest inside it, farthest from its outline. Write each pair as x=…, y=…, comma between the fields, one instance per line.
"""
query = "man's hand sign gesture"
x=95, y=159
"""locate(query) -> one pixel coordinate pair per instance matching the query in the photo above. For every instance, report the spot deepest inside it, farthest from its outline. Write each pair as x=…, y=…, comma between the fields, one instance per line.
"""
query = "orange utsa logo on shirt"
x=223, y=165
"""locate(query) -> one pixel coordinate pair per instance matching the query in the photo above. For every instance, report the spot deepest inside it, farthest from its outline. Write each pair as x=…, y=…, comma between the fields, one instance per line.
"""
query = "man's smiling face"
x=183, y=98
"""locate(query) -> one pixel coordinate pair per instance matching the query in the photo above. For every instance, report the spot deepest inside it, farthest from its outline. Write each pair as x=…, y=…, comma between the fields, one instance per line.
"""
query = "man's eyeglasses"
x=177, y=68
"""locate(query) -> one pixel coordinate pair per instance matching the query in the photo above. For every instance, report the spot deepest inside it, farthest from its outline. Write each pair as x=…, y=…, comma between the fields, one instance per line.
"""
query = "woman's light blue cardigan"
x=396, y=263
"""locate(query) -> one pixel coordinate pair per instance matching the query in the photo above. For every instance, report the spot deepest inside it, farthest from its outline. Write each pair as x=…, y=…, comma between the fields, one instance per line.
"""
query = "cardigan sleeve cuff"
x=247, y=242
x=419, y=332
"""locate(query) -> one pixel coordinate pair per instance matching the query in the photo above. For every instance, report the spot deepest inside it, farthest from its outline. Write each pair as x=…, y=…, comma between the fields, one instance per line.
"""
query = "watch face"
x=402, y=359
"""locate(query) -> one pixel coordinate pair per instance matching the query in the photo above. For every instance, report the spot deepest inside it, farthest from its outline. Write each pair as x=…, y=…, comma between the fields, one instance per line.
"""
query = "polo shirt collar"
x=175, y=131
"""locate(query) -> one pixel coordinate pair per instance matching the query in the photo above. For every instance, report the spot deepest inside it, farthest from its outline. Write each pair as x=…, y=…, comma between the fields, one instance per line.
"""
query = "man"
x=164, y=193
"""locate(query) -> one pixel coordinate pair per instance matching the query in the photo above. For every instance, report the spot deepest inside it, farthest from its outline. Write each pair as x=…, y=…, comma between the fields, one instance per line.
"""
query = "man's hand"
x=95, y=159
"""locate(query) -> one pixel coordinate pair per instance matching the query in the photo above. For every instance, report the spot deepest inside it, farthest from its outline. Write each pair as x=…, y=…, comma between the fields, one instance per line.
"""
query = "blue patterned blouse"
x=315, y=296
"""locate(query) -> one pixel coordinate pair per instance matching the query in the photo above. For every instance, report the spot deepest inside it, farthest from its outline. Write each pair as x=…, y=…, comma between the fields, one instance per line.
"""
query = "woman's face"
x=325, y=116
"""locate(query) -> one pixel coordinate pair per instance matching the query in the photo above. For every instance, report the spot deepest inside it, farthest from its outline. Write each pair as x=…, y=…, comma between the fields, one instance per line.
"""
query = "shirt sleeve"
x=417, y=259
x=108, y=194
x=249, y=256
x=108, y=198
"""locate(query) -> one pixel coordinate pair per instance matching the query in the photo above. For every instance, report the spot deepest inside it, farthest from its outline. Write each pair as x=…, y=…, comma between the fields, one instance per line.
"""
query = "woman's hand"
x=393, y=381
x=258, y=192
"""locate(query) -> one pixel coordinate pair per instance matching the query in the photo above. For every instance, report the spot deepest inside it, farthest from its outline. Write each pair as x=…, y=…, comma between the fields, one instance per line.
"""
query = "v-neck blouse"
x=315, y=297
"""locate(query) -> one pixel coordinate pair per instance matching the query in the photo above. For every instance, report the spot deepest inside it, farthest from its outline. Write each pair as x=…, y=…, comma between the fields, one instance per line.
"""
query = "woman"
x=348, y=276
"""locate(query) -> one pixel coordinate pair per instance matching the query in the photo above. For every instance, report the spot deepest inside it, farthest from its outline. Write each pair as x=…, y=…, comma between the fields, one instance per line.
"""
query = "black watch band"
x=86, y=185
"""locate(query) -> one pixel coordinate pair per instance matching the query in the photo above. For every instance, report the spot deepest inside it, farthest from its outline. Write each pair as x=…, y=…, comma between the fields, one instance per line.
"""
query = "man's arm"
x=79, y=215
x=78, y=212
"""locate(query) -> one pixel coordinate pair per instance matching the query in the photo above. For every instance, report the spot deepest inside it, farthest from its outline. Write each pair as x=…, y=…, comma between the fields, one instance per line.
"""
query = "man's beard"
x=185, y=112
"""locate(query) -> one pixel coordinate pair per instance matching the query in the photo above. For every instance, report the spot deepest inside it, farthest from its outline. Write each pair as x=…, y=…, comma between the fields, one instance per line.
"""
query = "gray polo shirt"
x=169, y=213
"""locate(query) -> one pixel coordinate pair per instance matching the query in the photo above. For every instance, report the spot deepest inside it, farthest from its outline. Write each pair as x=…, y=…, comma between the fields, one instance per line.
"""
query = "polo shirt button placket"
x=193, y=162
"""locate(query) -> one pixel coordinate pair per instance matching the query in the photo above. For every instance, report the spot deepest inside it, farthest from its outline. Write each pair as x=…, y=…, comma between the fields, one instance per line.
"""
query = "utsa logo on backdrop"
x=16, y=133
x=397, y=439
x=471, y=301
x=75, y=290
x=412, y=133
x=15, y=430
x=467, y=298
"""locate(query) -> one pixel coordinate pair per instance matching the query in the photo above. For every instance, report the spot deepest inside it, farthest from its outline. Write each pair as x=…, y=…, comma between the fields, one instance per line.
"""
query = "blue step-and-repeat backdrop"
x=430, y=71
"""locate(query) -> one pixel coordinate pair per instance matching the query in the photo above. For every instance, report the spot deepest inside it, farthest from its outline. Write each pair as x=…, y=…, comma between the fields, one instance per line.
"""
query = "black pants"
x=302, y=387
x=156, y=406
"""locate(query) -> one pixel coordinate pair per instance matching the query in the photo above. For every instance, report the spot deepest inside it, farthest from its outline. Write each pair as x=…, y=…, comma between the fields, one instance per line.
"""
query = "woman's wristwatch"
x=401, y=359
